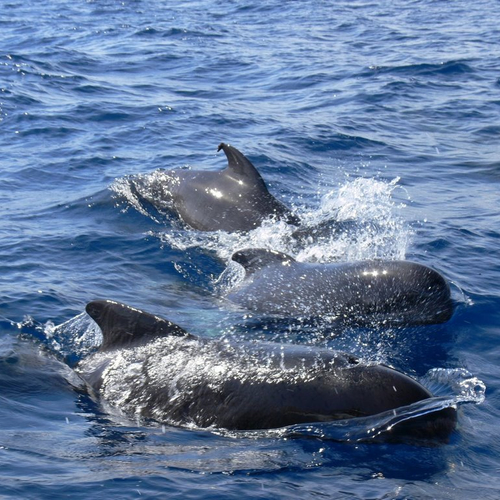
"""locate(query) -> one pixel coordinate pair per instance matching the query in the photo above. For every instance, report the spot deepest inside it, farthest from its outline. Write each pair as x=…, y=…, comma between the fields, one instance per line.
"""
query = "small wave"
x=375, y=428
x=448, y=68
x=182, y=33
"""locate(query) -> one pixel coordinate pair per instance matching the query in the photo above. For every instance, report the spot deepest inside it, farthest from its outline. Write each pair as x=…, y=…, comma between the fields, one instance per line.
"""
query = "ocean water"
x=377, y=122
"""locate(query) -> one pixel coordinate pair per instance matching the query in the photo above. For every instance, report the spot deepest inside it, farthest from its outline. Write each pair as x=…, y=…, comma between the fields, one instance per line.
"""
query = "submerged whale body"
x=396, y=292
x=151, y=368
x=233, y=199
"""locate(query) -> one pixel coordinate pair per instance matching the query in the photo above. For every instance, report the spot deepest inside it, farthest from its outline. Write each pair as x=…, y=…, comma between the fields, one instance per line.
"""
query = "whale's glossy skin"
x=151, y=368
x=397, y=292
x=233, y=199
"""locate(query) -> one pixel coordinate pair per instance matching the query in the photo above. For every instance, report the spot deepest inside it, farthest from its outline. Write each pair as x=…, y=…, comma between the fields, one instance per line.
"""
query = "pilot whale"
x=396, y=292
x=150, y=368
x=233, y=199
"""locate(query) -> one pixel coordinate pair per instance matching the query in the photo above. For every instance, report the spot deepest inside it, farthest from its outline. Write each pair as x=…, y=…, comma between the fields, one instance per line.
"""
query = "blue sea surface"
x=377, y=121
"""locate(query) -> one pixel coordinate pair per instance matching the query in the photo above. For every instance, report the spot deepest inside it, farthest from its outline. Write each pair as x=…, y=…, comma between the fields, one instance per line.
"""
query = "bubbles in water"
x=271, y=235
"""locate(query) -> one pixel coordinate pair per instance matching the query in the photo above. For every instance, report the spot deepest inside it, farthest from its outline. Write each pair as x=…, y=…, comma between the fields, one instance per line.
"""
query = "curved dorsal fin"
x=239, y=163
x=253, y=259
x=124, y=326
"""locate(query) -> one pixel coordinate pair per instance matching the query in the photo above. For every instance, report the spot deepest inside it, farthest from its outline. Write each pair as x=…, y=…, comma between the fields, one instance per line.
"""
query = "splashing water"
x=367, y=224
x=79, y=335
x=359, y=221
x=459, y=381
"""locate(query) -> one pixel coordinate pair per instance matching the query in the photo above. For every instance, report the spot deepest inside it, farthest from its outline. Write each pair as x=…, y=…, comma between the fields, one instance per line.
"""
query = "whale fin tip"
x=240, y=165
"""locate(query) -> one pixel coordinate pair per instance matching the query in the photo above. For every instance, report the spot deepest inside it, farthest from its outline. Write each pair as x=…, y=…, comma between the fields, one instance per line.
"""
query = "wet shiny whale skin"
x=151, y=368
x=232, y=199
x=398, y=292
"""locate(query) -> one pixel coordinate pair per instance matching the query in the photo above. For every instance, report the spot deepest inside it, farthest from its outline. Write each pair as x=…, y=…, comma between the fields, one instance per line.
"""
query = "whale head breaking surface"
x=150, y=368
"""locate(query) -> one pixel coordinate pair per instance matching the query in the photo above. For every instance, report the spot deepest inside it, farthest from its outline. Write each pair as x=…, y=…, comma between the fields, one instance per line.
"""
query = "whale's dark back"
x=233, y=199
x=396, y=292
x=165, y=374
